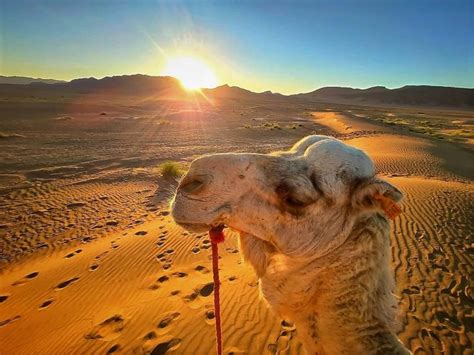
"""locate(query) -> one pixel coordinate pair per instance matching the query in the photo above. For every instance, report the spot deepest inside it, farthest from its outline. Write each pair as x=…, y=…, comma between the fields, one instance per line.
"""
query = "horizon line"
x=64, y=81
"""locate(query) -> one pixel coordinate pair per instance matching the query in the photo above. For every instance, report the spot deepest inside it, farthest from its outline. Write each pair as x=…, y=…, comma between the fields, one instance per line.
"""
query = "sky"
x=283, y=46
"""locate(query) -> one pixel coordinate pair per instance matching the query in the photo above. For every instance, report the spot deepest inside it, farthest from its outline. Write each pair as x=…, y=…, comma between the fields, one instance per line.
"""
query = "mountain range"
x=162, y=87
x=23, y=80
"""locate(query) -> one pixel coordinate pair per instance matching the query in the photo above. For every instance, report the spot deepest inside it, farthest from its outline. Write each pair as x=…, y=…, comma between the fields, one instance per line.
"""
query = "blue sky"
x=284, y=46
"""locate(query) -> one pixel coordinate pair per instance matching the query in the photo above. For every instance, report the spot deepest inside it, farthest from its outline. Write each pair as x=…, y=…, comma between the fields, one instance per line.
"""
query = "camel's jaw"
x=195, y=227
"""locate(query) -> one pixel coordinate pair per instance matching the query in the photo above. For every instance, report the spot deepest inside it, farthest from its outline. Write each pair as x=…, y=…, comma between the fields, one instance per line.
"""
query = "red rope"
x=217, y=236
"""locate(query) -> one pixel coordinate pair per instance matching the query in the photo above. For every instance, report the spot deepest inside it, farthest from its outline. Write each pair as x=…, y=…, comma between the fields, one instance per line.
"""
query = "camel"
x=314, y=231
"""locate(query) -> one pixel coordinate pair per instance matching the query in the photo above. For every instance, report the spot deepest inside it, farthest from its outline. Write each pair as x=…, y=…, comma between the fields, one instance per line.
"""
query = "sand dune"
x=92, y=262
x=150, y=291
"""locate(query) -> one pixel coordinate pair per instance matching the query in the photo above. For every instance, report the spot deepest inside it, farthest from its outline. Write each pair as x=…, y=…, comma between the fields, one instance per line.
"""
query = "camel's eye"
x=293, y=202
x=288, y=199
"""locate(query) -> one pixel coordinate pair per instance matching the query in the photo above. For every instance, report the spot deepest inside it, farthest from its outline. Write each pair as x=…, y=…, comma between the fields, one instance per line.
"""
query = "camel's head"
x=301, y=201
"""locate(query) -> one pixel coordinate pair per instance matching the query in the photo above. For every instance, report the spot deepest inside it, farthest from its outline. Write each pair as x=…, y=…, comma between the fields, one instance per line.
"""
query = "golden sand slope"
x=432, y=250
x=51, y=215
x=402, y=155
x=148, y=288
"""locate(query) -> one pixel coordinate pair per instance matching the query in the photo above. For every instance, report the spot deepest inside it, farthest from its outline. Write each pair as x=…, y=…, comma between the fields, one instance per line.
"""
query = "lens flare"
x=193, y=73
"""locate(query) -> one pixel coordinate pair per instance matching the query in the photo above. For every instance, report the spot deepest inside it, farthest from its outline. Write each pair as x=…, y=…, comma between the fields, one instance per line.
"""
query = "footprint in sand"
x=202, y=269
x=3, y=298
x=167, y=266
x=163, y=348
x=70, y=255
x=141, y=233
x=93, y=267
x=179, y=274
x=46, y=303
x=8, y=321
x=28, y=277
x=166, y=321
x=66, y=283
x=206, y=244
x=149, y=336
x=113, y=349
x=210, y=316
x=87, y=239
x=108, y=329
x=191, y=297
x=163, y=279
x=207, y=289
x=74, y=205
x=196, y=250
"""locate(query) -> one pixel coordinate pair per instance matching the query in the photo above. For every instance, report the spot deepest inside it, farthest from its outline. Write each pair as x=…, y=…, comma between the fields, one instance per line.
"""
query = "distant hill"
x=151, y=88
x=127, y=85
x=144, y=86
x=411, y=95
x=235, y=92
x=23, y=80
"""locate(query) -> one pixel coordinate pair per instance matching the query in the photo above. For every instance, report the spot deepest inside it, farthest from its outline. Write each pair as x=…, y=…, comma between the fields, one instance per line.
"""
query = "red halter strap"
x=217, y=236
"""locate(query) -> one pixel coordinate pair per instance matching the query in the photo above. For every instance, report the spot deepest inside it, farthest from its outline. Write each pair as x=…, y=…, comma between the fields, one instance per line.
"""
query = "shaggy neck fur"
x=341, y=303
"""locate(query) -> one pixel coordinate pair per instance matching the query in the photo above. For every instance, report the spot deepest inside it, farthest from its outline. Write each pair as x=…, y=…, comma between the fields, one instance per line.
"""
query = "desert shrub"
x=171, y=169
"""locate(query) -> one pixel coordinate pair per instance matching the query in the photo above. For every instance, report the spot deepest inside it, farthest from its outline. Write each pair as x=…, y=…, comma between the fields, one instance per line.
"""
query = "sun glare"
x=191, y=72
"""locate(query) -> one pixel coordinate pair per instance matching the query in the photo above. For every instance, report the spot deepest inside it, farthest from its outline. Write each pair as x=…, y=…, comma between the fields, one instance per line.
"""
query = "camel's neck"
x=345, y=301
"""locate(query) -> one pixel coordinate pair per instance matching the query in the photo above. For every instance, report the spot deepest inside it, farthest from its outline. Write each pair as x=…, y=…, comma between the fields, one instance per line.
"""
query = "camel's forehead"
x=325, y=155
x=332, y=155
x=221, y=161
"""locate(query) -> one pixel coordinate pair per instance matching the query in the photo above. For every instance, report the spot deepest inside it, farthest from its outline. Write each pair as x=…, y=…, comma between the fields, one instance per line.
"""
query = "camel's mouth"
x=202, y=227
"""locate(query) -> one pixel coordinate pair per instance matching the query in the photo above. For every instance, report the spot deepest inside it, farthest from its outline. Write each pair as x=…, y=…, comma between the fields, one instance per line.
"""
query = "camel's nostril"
x=193, y=186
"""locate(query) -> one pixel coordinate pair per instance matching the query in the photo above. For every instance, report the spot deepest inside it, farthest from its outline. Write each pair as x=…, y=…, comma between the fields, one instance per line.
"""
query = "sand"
x=93, y=263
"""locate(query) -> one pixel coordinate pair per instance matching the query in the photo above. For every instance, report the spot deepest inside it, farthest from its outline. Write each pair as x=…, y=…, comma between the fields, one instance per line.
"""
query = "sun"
x=191, y=72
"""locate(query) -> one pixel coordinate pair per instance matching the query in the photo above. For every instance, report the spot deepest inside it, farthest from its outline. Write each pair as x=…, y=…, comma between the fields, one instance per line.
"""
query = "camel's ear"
x=376, y=193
